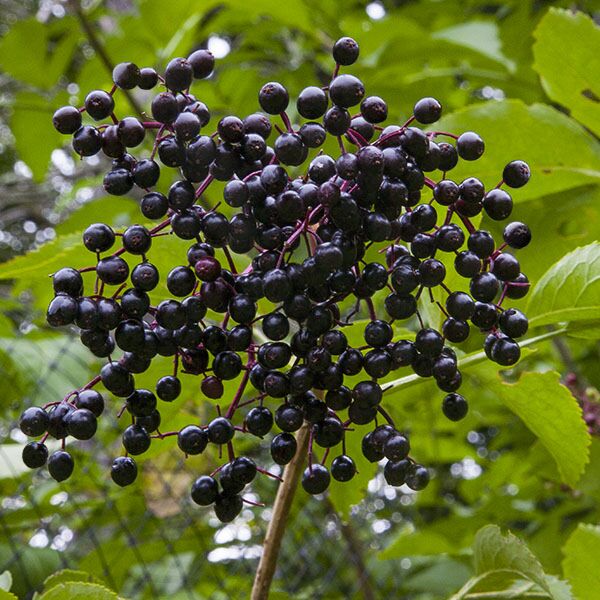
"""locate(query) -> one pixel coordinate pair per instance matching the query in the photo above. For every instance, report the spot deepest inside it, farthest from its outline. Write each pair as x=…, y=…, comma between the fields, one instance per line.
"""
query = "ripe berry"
x=513, y=323
x=343, y=468
x=516, y=235
x=178, y=75
x=192, y=439
x=470, y=146
x=516, y=174
x=346, y=91
x=34, y=421
x=220, y=430
x=283, y=448
x=315, y=479
x=427, y=110
x=136, y=439
x=205, y=490
x=273, y=98
x=395, y=472
x=82, y=424
x=112, y=270
x=227, y=508
x=35, y=455
x=60, y=465
x=98, y=237
x=345, y=51
x=99, y=104
x=417, y=477
x=202, y=62
x=67, y=120
x=87, y=141
x=92, y=400
x=123, y=471
x=126, y=75
x=455, y=407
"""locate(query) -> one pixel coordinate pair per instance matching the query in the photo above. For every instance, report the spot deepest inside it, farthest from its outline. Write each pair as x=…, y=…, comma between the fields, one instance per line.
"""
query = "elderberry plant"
x=279, y=325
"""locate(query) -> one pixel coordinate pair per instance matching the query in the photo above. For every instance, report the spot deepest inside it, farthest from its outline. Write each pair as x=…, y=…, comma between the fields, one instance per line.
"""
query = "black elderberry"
x=273, y=98
x=315, y=479
x=516, y=174
x=205, y=490
x=67, y=120
x=427, y=110
x=455, y=407
x=126, y=75
x=470, y=146
x=123, y=471
x=35, y=455
x=60, y=465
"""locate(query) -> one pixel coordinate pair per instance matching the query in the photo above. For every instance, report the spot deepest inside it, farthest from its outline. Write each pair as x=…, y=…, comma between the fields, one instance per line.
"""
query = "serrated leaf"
x=580, y=564
x=569, y=290
x=79, y=591
x=68, y=576
x=570, y=78
x=493, y=551
x=511, y=130
x=550, y=411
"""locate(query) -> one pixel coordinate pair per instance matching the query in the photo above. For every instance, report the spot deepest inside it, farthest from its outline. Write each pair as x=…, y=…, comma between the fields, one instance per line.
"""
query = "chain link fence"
x=150, y=540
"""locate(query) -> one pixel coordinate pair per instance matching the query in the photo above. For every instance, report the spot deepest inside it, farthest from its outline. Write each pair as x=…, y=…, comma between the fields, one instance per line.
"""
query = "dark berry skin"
x=345, y=51
x=427, y=110
x=220, y=430
x=455, y=407
x=417, y=478
x=202, y=62
x=517, y=235
x=346, y=91
x=205, y=490
x=192, y=439
x=126, y=75
x=98, y=237
x=123, y=471
x=516, y=174
x=283, y=448
x=60, y=465
x=67, y=120
x=343, y=468
x=273, y=98
x=35, y=455
x=315, y=479
x=34, y=421
x=470, y=146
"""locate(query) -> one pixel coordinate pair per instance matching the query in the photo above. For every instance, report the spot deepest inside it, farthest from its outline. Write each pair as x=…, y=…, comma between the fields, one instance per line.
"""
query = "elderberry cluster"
x=313, y=238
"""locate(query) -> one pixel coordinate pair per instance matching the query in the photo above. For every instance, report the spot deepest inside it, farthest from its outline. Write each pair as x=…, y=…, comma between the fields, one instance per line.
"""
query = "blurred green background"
x=525, y=74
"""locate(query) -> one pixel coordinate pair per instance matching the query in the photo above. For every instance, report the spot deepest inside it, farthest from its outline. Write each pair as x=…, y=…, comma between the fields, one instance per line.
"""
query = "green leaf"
x=551, y=412
x=418, y=543
x=571, y=78
x=480, y=36
x=580, y=564
x=569, y=290
x=511, y=130
x=35, y=136
x=493, y=551
x=7, y=595
x=29, y=567
x=68, y=576
x=78, y=591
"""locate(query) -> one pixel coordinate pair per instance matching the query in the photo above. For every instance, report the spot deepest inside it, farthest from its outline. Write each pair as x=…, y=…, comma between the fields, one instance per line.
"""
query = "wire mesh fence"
x=150, y=540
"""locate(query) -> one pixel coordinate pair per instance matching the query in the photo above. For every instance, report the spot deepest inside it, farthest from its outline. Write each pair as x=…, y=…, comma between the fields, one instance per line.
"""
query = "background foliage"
x=524, y=74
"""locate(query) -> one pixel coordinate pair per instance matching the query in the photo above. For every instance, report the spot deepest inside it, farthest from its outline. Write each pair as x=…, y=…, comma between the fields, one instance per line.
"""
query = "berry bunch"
x=311, y=236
